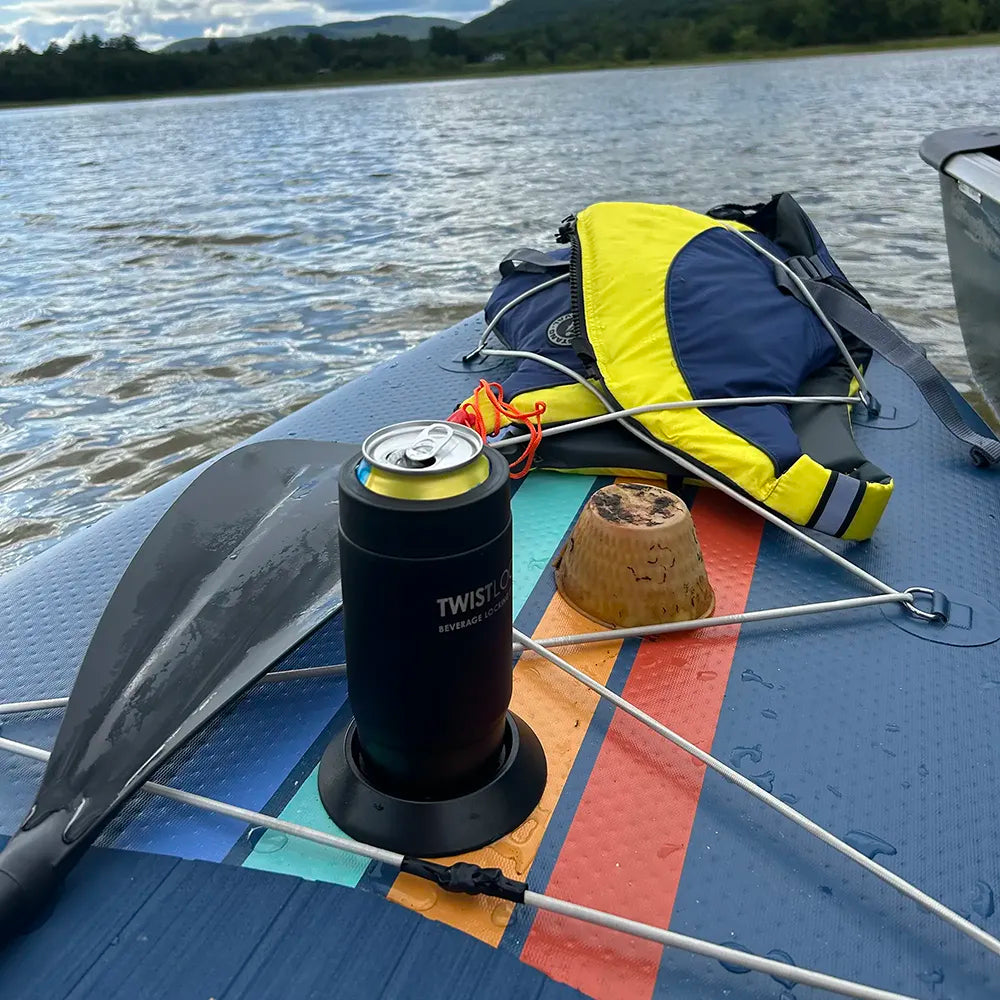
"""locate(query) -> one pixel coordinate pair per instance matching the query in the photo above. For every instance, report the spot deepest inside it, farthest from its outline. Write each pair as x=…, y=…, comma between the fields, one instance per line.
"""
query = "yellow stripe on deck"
x=556, y=707
x=559, y=710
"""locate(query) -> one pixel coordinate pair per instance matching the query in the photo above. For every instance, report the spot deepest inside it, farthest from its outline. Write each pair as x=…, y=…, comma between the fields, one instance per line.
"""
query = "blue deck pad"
x=885, y=739
x=543, y=509
x=136, y=926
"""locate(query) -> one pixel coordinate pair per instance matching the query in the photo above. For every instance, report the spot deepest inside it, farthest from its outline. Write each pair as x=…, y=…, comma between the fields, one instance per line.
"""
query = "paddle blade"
x=241, y=568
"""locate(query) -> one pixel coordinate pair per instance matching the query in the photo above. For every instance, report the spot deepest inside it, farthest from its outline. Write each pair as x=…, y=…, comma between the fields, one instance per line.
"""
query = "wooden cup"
x=633, y=558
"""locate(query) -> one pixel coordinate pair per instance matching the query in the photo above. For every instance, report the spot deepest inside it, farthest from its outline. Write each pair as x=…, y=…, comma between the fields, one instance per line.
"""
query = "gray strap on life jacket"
x=528, y=261
x=838, y=505
x=881, y=336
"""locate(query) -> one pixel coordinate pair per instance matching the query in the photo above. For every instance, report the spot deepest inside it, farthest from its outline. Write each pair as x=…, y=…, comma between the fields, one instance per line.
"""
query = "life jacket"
x=664, y=304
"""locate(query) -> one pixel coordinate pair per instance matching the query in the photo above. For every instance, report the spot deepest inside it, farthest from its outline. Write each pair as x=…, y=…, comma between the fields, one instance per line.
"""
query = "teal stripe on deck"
x=543, y=509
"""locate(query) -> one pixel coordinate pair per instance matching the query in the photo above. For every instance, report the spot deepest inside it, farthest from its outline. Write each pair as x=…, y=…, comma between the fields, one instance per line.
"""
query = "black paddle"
x=241, y=568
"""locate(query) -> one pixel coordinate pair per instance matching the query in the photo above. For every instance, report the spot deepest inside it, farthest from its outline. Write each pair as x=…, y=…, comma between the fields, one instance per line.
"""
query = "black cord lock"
x=465, y=878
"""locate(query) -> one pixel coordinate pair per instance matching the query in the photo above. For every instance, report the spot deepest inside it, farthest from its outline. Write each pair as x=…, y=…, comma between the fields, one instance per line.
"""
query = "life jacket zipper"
x=568, y=233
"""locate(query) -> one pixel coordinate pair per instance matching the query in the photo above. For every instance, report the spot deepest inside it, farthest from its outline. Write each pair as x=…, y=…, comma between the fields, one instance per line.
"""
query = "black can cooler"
x=427, y=626
x=433, y=763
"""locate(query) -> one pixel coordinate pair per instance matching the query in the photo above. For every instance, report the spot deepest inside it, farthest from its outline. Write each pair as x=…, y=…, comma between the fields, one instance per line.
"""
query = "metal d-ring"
x=937, y=617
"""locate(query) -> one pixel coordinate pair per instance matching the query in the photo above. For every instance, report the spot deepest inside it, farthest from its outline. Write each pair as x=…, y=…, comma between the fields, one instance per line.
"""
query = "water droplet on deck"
x=415, y=894
x=254, y=834
x=789, y=799
x=500, y=914
x=754, y=753
x=934, y=977
x=868, y=844
x=525, y=831
x=731, y=967
x=233, y=555
x=982, y=899
x=782, y=956
x=271, y=841
x=922, y=771
x=826, y=890
x=892, y=728
x=769, y=713
x=707, y=675
x=835, y=791
x=785, y=995
x=749, y=675
x=292, y=434
x=667, y=849
x=765, y=780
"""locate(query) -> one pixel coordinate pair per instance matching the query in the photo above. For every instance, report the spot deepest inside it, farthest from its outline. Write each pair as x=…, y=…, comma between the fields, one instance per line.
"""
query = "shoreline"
x=479, y=72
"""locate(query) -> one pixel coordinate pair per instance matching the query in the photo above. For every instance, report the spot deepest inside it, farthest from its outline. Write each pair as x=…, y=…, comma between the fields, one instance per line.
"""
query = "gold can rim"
x=396, y=435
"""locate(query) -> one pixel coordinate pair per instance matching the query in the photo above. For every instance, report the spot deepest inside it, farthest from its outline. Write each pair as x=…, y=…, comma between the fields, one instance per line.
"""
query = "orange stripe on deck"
x=559, y=710
x=626, y=846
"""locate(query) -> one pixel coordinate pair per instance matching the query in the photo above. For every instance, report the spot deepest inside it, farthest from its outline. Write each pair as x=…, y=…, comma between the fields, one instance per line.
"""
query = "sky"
x=156, y=22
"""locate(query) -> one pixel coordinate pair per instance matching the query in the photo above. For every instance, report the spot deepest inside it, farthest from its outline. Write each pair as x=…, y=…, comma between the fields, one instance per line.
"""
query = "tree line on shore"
x=622, y=32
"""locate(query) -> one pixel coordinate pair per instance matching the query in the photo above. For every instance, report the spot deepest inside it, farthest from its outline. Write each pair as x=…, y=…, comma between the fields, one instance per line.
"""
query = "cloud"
x=156, y=22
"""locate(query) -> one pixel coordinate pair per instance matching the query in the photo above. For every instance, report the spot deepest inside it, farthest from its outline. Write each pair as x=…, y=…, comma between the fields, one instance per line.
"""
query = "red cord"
x=471, y=415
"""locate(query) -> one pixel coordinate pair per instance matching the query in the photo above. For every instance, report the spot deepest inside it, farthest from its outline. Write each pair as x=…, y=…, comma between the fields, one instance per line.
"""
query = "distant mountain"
x=524, y=15
x=596, y=17
x=414, y=28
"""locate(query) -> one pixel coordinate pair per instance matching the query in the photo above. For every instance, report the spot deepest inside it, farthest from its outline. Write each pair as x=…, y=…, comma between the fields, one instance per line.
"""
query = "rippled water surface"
x=177, y=274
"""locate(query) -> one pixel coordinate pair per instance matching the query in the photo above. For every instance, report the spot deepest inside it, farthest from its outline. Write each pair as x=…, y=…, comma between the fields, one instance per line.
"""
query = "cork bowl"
x=633, y=558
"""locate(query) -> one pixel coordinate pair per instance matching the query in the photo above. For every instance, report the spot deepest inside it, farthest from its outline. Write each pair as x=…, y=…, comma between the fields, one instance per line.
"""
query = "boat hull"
x=882, y=736
x=970, y=197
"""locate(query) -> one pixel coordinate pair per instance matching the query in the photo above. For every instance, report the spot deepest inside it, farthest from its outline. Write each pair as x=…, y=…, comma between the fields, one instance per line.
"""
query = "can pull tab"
x=428, y=446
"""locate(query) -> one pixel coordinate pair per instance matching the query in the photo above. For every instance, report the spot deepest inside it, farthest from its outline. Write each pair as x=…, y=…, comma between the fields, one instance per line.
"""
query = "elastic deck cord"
x=874, y=582
x=681, y=404
x=741, y=781
x=302, y=673
x=473, y=880
x=491, y=326
x=866, y=394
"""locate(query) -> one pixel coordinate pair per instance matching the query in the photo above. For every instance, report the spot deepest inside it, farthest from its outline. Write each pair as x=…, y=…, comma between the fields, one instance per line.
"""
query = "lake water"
x=176, y=274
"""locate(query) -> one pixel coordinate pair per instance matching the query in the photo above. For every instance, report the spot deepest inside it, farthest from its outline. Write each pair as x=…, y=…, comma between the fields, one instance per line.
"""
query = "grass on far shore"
x=479, y=71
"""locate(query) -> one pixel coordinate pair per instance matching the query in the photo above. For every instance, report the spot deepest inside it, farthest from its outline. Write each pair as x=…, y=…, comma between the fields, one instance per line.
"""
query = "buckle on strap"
x=809, y=268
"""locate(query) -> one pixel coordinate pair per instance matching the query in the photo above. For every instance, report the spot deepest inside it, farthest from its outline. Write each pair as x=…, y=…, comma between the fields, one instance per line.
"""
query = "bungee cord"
x=866, y=395
x=741, y=781
x=685, y=463
x=473, y=880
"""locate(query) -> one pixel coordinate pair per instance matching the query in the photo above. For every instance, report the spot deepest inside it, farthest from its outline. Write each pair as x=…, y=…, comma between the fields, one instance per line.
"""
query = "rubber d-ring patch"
x=891, y=418
x=482, y=363
x=973, y=622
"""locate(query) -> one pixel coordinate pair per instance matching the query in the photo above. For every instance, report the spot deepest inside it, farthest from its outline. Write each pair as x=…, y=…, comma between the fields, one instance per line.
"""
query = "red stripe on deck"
x=626, y=846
